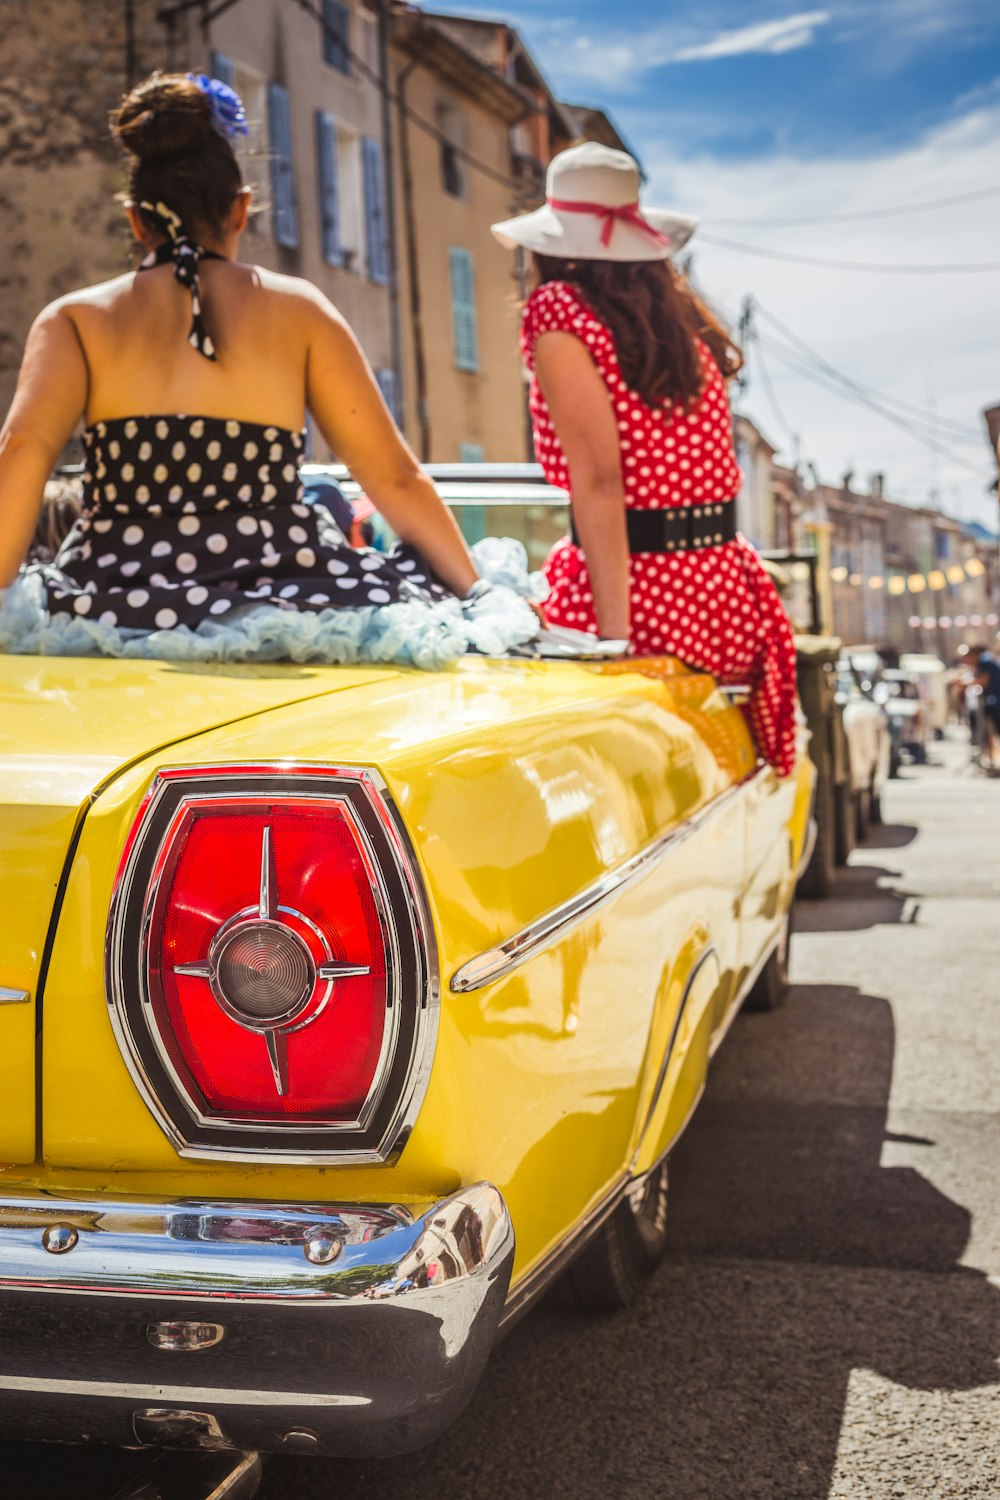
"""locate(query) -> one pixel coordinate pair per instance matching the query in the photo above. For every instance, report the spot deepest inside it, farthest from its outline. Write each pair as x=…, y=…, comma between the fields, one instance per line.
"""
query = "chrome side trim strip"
x=219, y=1395
x=13, y=997
x=496, y=963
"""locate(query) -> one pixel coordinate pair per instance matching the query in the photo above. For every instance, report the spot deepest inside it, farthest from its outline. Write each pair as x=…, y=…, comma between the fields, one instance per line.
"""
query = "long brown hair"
x=178, y=157
x=654, y=318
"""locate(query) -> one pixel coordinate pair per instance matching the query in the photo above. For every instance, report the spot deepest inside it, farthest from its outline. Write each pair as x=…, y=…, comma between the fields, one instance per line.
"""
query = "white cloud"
x=617, y=61
x=785, y=35
x=929, y=340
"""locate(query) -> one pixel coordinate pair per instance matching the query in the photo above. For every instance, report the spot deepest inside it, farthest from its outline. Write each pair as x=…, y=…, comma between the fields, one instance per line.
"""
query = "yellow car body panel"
x=520, y=784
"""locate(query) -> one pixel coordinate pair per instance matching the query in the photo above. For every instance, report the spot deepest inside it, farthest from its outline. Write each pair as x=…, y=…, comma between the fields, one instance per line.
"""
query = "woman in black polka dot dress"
x=193, y=376
x=188, y=518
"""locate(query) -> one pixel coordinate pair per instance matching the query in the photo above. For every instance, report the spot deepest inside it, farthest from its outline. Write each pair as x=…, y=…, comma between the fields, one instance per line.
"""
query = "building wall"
x=65, y=67
x=481, y=410
x=272, y=41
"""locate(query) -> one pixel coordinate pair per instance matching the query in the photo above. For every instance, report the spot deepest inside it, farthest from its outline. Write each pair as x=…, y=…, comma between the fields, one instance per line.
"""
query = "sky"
x=759, y=111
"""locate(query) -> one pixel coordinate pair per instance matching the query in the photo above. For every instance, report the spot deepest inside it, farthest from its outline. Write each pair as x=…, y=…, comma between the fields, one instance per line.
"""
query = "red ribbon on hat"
x=628, y=213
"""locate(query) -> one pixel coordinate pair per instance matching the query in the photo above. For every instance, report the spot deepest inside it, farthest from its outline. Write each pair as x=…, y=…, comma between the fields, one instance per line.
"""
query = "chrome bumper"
x=341, y=1329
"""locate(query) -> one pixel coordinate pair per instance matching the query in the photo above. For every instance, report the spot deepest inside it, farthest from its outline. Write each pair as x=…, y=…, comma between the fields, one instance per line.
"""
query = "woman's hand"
x=344, y=398
x=582, y=413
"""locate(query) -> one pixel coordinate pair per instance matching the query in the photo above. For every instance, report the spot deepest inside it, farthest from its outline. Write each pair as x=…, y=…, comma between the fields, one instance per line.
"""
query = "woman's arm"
x=343, y=396
x=583, y=415
x=50, y=398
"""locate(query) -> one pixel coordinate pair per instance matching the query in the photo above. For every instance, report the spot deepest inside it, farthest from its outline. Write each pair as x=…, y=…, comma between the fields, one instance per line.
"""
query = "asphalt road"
x=828, y=1325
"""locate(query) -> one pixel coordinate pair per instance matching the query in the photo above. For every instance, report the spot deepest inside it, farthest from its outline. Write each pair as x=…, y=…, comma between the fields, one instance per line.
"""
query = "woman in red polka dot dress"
x=630, y=415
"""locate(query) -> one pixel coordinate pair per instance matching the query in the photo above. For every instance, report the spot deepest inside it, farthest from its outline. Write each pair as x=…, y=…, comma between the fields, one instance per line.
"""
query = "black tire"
x=843, y=828
x=893, y=764
x=616, y=1265
x=817, y=878
x=771, y=986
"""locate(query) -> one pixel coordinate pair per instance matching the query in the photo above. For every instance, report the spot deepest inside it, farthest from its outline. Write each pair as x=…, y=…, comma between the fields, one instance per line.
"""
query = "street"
x=828, y=1326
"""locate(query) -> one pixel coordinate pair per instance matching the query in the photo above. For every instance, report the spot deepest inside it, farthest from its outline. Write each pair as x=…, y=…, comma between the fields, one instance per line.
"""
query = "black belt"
x=679, y=528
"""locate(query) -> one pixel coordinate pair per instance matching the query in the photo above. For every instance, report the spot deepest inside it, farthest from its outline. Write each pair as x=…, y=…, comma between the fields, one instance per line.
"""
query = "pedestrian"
x=193, y=375
x=630, y=414
x=986, y=671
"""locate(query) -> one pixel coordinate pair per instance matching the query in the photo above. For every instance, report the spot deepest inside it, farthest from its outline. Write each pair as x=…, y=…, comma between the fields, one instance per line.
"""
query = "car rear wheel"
x=771, y=985
x=618, y=1262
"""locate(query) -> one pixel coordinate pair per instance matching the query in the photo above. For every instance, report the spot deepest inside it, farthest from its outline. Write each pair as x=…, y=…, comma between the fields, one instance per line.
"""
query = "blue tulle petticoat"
x=417, y=632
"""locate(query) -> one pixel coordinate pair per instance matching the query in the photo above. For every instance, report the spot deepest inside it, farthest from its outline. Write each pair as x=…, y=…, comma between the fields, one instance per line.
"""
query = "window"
x=337, y=35
x=221, y=67
x=451, y=130
x=285, y=217
x=376, y=240
x=351, y=199
x=387, y=385
x=470, y=453
x=254, y=149
x=326, y=170
x=463, y=309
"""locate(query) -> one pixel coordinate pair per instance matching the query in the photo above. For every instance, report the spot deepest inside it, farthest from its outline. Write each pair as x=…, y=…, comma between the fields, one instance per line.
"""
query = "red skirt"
x=713, y=607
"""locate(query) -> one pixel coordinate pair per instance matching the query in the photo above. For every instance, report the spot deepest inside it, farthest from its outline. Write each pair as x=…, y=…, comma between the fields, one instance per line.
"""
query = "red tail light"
x=286, y=988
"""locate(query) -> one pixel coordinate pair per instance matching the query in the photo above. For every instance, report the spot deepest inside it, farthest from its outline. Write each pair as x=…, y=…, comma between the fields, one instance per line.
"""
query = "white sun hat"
x=591, y=212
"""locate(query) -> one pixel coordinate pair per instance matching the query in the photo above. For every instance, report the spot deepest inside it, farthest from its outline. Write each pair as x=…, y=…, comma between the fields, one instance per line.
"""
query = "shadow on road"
x=889, y=836
x=727, y=1381
x=863, y=897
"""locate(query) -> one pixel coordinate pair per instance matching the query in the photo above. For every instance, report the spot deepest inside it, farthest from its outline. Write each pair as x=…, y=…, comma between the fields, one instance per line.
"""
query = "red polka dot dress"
x=714, y=607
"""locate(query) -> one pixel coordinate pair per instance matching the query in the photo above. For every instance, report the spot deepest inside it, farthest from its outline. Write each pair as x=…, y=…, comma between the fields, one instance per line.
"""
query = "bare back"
x=133, y=335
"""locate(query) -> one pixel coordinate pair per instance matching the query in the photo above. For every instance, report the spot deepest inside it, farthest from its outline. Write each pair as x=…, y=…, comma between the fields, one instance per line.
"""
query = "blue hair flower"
x=228, y=115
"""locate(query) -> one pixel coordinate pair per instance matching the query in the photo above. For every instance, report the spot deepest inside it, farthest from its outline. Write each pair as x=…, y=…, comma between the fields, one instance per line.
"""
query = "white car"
x=869, y=742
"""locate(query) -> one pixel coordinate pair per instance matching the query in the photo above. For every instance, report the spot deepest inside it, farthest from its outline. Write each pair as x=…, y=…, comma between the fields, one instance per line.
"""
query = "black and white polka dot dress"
x=187, y=519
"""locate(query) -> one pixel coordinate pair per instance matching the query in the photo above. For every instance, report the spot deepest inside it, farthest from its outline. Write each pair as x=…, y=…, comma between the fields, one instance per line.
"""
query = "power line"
x=862, y=214
x=850, y=265
x=847, y=389
x=949, y=428
x=769, y=391
x=809, y=373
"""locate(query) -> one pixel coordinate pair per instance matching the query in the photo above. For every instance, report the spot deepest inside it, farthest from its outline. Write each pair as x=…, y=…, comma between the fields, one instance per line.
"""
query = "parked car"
x=869, y=742
x=931, y=675
x=900, y=696
x=344, y=1009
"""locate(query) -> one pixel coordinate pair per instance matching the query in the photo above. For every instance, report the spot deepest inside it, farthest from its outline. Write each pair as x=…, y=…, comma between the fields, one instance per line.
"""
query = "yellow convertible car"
x=342, y=1009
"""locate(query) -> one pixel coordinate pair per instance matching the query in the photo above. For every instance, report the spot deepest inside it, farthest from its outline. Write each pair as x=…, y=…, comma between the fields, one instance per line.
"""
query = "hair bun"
x=163, y=118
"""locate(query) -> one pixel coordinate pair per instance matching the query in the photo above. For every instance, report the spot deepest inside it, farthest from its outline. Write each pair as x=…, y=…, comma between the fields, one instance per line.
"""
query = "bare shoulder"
x=295, y=288
x=102, y=295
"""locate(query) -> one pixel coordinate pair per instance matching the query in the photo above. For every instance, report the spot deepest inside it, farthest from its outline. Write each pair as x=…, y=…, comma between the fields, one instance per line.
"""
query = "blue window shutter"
x=387, y=385
x=376, y=247
x=221, y=67
x=286, y=220
x=463, y=309
x=336, y=32
x=326, y=167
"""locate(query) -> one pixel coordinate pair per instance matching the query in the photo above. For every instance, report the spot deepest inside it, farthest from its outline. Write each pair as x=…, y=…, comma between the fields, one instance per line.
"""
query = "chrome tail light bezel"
x=384, y=1122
